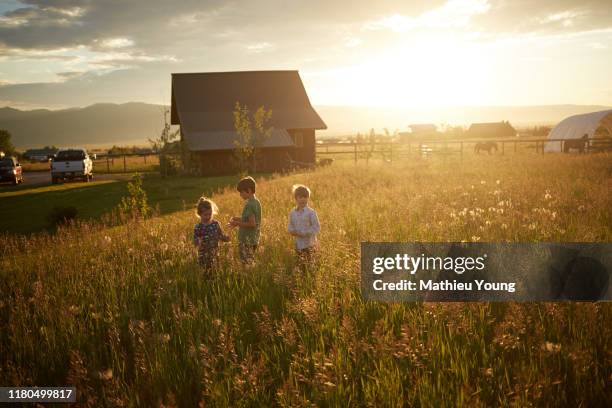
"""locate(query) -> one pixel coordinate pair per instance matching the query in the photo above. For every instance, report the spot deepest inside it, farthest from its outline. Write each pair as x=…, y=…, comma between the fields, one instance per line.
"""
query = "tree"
x=163, y=144
x=135, y=204
x=262, y=132
x=252, y=134
x=243, y=146
x=5, y=142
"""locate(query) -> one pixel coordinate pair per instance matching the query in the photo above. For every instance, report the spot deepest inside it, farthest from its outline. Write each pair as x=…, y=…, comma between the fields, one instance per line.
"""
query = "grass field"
x=123, y=313
x=103, y=165
x=24, y=209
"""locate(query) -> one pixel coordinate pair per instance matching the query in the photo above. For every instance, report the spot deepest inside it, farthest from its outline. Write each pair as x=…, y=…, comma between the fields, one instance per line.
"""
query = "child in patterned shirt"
x=207, y=234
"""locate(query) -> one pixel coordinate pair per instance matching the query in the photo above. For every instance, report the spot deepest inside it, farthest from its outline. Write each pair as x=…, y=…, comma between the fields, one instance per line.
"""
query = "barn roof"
x=423, y=127
x=491, y=129
x=205, y=101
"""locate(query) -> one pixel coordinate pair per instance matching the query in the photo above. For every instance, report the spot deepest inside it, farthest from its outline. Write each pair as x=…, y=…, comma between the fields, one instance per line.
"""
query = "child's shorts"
x=305, y=257
x=247, y=253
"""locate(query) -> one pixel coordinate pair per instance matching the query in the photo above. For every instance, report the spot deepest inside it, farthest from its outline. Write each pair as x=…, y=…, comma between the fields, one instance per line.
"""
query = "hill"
x=134, y=123
x=128, y=123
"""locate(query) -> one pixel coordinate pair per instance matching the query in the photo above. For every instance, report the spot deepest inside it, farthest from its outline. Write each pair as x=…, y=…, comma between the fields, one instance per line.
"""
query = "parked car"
x=70, y=164
x=10, y=170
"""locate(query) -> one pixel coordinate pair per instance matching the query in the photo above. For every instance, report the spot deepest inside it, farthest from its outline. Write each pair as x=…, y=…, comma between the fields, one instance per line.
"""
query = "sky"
x=68, y=53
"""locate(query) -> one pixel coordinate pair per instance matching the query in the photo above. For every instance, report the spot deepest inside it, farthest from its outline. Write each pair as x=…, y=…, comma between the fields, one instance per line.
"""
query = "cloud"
x=353, y=42
x=455, y=13
x=260, y=47
x=117, y=42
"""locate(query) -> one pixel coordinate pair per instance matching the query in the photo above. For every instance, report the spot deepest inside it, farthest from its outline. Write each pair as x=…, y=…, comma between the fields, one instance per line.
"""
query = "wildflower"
x=547, y=196
x=482, y=182
x=487, y=222
x=475, y=238
x=329, y=384
x=164, y=247
x=581, y=208
x=164, y=338
x=498, y=182
x=504, y=226
x=107, y=239
x=105, y=375
x=532, y=226
x=551, y=347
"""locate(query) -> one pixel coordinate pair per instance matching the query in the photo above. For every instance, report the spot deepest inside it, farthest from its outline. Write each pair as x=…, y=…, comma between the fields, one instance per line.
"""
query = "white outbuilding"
x=595, y=125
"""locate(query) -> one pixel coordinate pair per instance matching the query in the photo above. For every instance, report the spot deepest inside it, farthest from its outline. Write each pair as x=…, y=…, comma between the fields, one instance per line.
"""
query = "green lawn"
x=24, y=210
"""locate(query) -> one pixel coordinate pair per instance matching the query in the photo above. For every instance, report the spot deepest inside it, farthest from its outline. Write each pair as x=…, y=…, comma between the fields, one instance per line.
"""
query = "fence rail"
x=430, y=147
x=131, y=162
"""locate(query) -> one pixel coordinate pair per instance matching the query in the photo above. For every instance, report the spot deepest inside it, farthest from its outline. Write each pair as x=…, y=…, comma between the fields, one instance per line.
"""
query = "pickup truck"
x=71, y=164
x=10, y=170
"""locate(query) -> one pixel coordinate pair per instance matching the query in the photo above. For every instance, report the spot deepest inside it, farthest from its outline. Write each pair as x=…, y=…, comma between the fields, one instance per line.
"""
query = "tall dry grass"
x=124, y=314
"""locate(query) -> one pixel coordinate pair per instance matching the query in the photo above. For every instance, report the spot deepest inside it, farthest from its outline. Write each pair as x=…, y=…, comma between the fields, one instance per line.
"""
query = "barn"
x=595, y=125
x=203, y=104
x=491, y=129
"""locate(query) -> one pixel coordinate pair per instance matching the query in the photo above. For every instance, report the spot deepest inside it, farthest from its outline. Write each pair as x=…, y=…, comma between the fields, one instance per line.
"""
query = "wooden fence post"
x=107, y=164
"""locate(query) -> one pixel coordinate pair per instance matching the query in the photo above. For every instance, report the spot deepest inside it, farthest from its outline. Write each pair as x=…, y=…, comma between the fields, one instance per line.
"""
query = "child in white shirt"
x=303, y=226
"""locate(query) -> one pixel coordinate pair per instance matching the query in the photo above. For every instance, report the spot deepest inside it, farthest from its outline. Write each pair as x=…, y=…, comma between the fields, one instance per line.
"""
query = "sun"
x=423, y=72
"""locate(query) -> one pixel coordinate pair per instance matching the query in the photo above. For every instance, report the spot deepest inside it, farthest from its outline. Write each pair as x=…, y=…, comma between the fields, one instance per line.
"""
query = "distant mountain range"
x=134, y=123
x=95, y=125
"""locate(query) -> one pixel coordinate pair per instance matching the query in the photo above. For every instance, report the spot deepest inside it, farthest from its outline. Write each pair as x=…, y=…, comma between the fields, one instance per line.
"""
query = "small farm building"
x=203, y=105
x=419, y=131
x=39, y=154
x=596, y=125
x=491, y=129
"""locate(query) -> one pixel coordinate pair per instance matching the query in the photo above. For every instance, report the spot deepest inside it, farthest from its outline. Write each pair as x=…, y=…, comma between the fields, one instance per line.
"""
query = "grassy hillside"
x=24, y=209
x=124, y=314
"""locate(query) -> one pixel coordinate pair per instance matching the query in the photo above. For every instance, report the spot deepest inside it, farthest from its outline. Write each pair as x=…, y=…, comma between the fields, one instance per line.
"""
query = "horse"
x=488, y=146
x=580, y=144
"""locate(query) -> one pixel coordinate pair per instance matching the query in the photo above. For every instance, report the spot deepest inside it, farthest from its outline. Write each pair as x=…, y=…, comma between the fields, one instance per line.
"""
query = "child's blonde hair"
x=300, y=190
x=206, y=204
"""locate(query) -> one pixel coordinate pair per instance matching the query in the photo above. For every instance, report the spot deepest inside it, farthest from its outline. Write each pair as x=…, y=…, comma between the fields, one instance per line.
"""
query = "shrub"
x=61, y=215
x=135, y=204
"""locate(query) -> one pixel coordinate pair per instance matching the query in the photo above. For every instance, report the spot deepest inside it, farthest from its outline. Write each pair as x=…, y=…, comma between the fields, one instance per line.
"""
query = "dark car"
x=10, y=170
